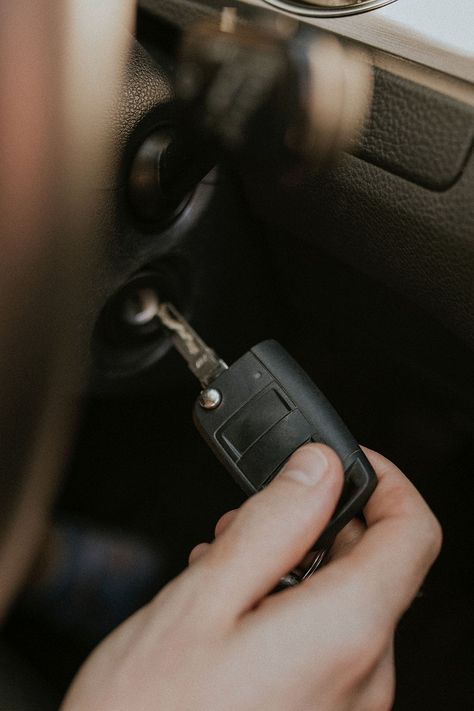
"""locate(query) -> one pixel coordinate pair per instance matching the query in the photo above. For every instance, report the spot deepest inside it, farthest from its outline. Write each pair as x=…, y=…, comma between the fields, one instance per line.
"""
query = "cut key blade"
x=203, y=362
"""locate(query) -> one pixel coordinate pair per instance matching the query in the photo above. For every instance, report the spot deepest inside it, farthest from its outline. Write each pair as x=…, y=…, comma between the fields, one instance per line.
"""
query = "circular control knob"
x=328, y=8
x=335, y=3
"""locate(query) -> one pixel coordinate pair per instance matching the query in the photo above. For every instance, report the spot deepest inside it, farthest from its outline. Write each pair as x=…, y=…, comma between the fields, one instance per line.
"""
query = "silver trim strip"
x=425, y=32
x=312, y=8
x=424, y=76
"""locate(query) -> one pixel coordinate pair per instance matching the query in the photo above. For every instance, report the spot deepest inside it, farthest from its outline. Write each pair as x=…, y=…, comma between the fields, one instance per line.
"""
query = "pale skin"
x=214, y=639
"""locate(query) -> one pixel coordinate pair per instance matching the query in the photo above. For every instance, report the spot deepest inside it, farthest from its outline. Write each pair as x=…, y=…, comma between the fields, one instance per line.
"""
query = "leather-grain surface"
x=416, y=240
x=417, y=133
x=145, y=88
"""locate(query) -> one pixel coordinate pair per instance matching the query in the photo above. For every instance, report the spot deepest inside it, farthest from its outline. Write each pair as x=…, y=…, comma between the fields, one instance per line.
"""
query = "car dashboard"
x=363, y=271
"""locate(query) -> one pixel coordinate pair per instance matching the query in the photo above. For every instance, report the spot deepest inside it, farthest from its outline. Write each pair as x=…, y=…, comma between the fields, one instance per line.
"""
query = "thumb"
x=273, y=529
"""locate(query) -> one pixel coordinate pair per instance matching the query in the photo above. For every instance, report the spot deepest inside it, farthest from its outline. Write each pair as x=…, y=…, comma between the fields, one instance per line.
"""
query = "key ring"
x=309, y=565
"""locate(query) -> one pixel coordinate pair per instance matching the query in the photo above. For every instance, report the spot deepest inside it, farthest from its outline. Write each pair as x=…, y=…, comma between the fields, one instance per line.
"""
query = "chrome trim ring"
x=314, y=8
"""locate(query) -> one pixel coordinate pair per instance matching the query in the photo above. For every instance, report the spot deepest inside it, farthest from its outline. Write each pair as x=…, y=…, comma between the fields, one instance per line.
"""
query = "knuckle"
x=221, y=552
x=197, y=552
x=253, y=507
x=436, y=536
x=224, y=521
x=431, y=536
x=403, y=500
x=421, y=520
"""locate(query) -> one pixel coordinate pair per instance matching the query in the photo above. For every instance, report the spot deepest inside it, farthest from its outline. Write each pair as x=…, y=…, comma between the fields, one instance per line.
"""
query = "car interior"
x=359, y=261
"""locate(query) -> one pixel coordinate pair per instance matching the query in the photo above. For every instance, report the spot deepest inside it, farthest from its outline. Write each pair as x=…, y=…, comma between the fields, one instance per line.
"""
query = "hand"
x=214, y=640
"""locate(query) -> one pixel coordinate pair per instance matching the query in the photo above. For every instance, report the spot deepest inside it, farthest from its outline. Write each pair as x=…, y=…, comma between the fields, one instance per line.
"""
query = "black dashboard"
x=363, y=271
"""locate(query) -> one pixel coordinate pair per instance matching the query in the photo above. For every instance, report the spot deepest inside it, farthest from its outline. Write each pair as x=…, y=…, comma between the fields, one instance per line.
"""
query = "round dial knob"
x=328, y=8
x=334, y=3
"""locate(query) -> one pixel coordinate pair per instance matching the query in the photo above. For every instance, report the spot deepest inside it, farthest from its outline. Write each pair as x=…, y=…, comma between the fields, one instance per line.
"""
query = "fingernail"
x=310, y=467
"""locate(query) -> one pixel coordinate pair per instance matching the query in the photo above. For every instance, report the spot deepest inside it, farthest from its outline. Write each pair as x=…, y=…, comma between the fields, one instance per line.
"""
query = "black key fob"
x=256, y=413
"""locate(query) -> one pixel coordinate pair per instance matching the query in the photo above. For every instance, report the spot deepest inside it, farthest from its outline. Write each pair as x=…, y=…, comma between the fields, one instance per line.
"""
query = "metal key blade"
x=202, y=360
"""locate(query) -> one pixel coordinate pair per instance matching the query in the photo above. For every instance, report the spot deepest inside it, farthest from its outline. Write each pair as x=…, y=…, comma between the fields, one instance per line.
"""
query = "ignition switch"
x=129, y=337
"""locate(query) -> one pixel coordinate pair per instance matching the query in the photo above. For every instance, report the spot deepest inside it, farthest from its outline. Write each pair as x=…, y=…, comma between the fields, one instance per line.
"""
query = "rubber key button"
x=261, y=460
x=253, y=420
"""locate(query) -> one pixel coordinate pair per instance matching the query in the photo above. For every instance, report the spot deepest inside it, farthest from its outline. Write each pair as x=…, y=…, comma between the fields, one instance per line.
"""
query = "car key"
x=257, y=412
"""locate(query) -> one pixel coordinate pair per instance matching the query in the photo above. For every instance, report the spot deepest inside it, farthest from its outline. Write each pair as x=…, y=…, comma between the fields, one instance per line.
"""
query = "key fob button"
x=261, y=461
x=253, y=420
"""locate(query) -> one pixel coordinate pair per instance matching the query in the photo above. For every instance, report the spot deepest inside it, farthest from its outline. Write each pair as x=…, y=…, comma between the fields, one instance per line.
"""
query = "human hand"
x=214, y=639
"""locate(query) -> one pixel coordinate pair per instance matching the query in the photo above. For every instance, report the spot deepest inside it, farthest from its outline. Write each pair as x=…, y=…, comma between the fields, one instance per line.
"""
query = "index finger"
x=402, y=540
x=360, y=596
